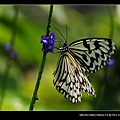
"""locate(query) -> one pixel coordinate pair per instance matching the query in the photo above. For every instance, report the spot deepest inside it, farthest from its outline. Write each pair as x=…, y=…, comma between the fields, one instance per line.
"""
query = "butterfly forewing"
x=70, y=80
x=92, y=53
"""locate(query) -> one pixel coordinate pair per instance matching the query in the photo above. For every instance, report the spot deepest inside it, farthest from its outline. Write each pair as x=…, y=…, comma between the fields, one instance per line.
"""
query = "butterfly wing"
x=70, y=80
x=92, y=53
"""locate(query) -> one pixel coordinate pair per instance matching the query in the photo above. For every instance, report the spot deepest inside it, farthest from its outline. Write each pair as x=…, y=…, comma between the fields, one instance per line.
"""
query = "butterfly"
x=75, y=60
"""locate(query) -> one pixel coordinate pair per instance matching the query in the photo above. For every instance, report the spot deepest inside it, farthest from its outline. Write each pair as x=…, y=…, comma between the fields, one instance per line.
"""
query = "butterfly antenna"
x=66, y=34
x=61, y=34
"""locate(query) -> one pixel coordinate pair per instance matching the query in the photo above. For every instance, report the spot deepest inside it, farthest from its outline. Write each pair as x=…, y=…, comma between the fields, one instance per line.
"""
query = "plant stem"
x=8, y=62
x=34, y=98
x=14, y=22
x=101, y=91
x=104, y=81
x=49, y=20
x=111, y=14
x=4, y=83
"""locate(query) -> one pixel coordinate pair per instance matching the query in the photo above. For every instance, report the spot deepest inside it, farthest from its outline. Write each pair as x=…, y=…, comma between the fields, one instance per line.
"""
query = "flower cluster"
x=8, y=49
x=48, y=42
x=14, y=54
x=110, y=63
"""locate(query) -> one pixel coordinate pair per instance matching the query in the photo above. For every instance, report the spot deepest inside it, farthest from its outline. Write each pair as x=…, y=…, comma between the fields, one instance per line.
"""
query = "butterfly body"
x=77, y=58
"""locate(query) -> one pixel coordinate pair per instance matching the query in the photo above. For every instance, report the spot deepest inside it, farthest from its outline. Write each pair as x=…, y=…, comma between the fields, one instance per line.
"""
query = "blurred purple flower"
x=48, y=42
x=110, y=63
x=14, y=55
x=8, y=47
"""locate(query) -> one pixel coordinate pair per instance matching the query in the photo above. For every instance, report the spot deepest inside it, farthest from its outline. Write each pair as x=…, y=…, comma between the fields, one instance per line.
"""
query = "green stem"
x=49, y=20
x=34, y=98
x=14, y=22
x=8, y=62
x=101, y=91
x=4, y=83
x=111, y=14
x=104, y=81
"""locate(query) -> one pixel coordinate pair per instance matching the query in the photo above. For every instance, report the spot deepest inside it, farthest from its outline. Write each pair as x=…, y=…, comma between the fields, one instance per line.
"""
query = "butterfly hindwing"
x=92, y=53
x=70, y=80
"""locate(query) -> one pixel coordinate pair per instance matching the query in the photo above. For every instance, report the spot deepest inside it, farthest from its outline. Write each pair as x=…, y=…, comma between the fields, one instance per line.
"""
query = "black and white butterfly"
x=77, y=58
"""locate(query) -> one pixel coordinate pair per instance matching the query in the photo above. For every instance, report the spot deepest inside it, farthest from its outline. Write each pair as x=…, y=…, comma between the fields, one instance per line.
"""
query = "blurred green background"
x=82, y=21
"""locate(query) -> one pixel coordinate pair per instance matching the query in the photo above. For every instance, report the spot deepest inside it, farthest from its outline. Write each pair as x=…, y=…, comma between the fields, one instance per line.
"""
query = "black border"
x=58, y=114
x=58, y=2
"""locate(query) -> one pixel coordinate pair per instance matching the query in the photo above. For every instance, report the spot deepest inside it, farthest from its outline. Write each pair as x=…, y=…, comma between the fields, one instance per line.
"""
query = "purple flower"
x=110, y=63
x=48, y=42
x=8, y=47
x=14, y=54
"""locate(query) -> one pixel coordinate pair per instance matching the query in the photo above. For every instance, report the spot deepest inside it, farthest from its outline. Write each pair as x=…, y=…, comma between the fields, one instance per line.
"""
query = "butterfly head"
x=64, y=48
